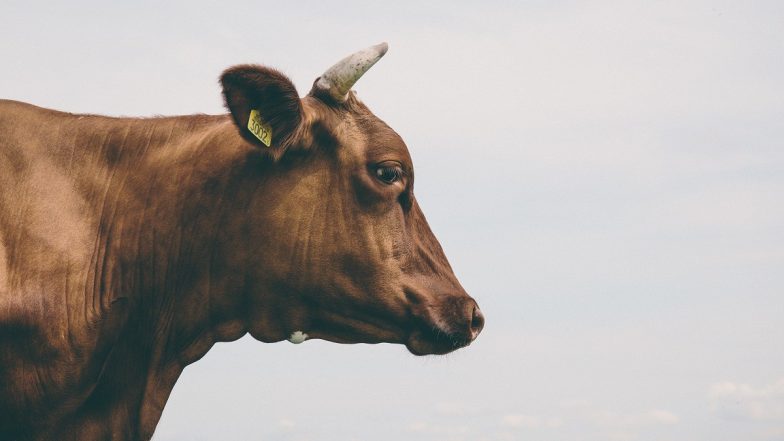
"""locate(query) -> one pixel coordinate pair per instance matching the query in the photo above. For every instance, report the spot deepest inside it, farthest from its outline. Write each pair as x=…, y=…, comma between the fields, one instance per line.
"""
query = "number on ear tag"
x=259, y=128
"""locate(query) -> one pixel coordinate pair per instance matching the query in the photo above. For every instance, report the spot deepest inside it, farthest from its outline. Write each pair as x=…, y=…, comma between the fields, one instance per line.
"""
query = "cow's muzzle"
x=445, y=326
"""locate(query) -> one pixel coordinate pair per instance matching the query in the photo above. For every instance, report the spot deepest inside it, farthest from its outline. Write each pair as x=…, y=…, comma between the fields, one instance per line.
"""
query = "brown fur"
x=129, y=246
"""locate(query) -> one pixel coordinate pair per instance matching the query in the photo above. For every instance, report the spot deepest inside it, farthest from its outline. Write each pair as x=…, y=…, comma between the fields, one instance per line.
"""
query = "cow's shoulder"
x=56, y=328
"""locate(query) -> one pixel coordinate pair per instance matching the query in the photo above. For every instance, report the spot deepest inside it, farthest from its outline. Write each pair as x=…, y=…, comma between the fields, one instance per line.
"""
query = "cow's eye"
x=389, y=173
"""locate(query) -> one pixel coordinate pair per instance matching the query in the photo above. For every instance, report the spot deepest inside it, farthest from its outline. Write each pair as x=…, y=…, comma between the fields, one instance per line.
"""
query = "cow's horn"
x=339, y=79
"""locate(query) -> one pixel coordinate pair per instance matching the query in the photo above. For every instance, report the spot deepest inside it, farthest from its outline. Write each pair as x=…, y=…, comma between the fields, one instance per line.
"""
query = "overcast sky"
x=607, y=179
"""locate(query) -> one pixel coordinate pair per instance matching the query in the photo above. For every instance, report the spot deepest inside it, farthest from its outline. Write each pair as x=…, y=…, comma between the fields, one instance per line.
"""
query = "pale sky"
x=607, y=179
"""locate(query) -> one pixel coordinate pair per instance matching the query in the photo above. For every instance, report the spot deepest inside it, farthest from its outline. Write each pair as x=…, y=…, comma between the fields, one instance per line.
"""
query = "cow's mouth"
x=432, y=338
x=435, y=341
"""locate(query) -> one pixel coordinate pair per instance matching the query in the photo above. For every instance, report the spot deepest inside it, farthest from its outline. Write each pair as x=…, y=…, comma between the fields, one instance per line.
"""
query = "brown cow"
x=129, y=246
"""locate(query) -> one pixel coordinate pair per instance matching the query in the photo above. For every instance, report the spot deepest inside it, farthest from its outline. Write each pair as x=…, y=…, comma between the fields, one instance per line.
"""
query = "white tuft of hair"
x=298, y=337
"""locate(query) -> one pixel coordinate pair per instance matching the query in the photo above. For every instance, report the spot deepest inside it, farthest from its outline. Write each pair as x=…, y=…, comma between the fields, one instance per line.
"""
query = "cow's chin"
x=425, y=337
x=418, y=343
x=351, y=336
x=435, y=342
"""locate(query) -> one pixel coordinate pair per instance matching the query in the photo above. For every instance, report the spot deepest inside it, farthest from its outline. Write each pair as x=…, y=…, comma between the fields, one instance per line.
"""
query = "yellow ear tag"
x=259, y=128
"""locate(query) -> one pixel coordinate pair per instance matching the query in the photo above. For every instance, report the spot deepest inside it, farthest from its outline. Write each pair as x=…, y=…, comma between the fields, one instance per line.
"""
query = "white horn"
x=338, y=79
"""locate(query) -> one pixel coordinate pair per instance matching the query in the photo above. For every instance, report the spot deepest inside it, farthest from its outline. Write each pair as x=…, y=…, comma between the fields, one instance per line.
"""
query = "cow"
x=130, y=246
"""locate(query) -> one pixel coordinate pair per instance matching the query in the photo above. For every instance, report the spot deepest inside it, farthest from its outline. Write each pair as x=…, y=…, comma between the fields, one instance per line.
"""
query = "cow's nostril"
x=477, y=322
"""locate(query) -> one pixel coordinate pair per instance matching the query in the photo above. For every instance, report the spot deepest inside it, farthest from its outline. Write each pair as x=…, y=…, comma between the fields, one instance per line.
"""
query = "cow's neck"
x=167, y=193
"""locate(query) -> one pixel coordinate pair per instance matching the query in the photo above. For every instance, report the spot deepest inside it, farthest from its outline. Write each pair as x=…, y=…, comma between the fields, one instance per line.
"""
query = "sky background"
x=607, y=179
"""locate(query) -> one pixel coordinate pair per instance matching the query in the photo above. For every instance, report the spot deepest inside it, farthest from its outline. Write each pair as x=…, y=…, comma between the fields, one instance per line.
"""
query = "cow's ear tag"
x=259, y=128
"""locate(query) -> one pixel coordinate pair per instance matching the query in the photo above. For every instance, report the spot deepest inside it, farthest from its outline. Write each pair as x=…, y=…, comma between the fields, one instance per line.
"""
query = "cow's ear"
x=265, y=106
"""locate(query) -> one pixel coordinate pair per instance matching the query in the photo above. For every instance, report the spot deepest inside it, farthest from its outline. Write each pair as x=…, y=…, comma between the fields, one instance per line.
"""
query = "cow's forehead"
x=355, y=124
x=380, y=139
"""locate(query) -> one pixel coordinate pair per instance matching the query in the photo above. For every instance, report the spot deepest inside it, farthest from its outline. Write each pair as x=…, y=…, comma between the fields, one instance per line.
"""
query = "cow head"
x=339, y=248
